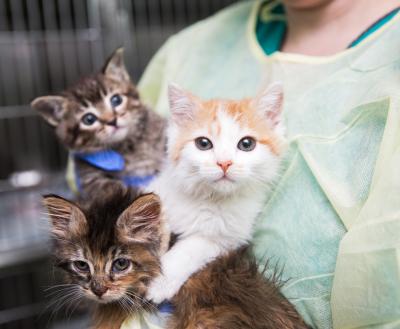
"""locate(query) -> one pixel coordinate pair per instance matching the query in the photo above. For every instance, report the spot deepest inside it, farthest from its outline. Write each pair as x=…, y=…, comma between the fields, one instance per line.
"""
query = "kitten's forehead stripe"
x=100, y=246
x=89, y=89
x=94, y=93
x=102, y=234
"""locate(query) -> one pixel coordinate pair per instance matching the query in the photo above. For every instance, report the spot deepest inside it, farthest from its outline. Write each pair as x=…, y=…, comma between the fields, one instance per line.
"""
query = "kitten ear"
x=115, y=66
x=66, y=218
x=182, y=104
x=141, y=221
x=270, y=102
x=51, y=108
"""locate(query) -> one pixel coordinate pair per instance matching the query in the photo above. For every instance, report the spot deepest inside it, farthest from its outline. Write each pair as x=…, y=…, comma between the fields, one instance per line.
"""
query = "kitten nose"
x=113, y=122
x=224, y=165
x=98, y=289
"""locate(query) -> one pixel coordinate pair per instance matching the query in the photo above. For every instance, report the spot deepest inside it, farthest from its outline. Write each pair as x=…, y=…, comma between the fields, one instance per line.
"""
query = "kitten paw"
x=162, y=288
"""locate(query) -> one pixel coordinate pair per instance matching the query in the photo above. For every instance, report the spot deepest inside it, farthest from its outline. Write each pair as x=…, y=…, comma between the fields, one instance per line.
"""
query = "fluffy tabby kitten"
x=222, y=155
x=109, y=250
x=112, y=137
x=230, y=293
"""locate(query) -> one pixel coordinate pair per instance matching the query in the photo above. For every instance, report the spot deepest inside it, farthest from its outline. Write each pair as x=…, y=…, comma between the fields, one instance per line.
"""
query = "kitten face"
x=222, y=146
x=110, y=276
x=98, y=111
x=109, y=251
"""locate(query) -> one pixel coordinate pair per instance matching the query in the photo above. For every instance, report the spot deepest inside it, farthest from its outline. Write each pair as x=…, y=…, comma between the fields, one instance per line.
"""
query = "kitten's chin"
x=221, y=188
x=117, y=135
x=225, y=186
x=230, y=186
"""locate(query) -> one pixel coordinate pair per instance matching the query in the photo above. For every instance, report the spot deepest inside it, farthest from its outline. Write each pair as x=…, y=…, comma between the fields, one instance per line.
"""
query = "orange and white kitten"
x=222, y=157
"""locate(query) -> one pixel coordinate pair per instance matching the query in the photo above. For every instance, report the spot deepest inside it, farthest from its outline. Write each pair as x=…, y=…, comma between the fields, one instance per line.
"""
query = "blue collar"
x=140, y=181
x=110, y=160
x=165, y=307
x=107, y=160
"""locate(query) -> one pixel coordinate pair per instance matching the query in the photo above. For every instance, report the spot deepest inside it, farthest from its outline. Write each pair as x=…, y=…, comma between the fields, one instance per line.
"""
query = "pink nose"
x=224, y=165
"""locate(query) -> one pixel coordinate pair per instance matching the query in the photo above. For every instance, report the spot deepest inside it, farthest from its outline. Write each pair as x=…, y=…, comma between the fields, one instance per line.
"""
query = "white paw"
x=162, y=288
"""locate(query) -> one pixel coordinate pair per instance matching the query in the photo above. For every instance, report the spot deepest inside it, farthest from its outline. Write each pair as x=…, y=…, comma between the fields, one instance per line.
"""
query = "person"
x=333, y=221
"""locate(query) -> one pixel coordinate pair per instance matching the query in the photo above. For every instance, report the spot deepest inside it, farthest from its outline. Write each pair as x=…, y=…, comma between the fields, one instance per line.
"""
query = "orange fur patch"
x=242, y=111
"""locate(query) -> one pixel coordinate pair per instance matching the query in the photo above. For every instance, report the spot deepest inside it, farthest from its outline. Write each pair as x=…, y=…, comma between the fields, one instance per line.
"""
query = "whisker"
x=141, y=299
x=73, y=304
x=61, y=298
x=133, y=308
x=60, y=285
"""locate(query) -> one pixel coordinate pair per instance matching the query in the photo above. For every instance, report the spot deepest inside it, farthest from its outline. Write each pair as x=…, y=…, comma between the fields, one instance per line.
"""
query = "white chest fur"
x=226, y=221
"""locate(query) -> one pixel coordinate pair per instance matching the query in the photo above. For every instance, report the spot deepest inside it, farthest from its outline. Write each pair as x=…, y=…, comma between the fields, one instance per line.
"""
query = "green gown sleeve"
x=366, y=287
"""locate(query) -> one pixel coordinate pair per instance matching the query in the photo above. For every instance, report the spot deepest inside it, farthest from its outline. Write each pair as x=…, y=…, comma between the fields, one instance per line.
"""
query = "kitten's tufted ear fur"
x=141, y=221
x=270, y=102
x=182, y=104
x=66, y=218
x=115, y=66
x=51, y=108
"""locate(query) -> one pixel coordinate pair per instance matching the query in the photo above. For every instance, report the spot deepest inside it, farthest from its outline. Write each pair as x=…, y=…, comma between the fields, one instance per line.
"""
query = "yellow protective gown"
x=333, y=220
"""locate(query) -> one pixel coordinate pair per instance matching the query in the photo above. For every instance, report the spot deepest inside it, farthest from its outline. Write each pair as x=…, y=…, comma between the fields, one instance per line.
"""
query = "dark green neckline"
x=271, y=26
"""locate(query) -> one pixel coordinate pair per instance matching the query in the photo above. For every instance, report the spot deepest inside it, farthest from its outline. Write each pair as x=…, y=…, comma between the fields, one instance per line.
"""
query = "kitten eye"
x=89, y=119
x=247, y=144
x=81, y=266
x=116, y=100
x=120, y=264
x=203, y=143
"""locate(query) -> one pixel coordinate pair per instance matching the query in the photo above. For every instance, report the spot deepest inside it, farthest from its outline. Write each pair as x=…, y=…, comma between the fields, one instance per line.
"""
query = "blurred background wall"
x=46, y=45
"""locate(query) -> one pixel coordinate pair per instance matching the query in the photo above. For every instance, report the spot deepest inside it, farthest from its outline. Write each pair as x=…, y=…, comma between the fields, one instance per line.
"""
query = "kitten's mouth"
x=105, y=299
x=120, y=127
x=224, y=178
x=115, y=128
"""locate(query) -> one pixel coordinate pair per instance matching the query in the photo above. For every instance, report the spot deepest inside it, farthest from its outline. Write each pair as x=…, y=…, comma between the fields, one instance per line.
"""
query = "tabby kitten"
x=230, y=293
x=109, y=250
x=112, y=137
